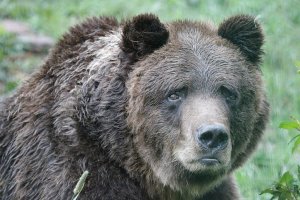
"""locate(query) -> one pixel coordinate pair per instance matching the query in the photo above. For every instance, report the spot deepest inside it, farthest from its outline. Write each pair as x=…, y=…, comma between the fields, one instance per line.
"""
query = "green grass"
x=281, y=22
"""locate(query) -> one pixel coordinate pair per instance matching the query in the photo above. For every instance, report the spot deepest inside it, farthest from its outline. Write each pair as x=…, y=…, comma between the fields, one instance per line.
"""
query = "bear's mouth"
x=207, y=161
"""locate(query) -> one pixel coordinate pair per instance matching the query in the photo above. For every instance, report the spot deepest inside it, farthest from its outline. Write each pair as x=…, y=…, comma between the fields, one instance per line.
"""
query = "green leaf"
x=295, y=189
x=268, y=191
x=296, y=144
x=289, y=125
x=80, y=184
x=283, y=196
x=297, y=63
x=286, y=178
x=286, y=196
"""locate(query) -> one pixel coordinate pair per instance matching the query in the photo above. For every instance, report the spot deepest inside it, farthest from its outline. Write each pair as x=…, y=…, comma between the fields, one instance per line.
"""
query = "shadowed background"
x=28, y=28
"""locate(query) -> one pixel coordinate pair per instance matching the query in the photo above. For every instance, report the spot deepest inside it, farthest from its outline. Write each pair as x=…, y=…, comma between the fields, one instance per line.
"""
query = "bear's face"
x=193, y=105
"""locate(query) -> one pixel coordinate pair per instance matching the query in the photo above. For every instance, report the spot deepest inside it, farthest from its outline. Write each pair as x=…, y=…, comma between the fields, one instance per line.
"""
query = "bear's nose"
x=212, y=137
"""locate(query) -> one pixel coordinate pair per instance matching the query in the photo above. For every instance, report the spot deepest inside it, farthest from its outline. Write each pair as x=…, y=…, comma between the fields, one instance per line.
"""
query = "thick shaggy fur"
x=96, y=105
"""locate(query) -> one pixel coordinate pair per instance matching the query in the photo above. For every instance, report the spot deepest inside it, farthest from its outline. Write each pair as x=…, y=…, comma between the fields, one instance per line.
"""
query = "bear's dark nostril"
x=212, y=136
x=206, y=137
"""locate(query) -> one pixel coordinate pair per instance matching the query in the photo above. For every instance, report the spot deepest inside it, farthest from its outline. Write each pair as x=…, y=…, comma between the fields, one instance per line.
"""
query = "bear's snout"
x=212, y=137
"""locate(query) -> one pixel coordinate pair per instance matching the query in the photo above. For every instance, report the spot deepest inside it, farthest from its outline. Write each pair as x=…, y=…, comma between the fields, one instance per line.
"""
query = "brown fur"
x=101, y=103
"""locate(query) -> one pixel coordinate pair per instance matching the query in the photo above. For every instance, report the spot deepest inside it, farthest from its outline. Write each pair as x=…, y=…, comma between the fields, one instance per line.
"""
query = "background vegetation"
x=281, y=22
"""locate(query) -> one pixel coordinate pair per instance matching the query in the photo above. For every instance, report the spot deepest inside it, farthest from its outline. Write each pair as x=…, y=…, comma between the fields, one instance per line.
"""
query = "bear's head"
x=197, y=106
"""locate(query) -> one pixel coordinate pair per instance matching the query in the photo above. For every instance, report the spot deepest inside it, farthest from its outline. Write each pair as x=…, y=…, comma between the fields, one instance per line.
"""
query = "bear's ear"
x=142, y=35
x=246, y=33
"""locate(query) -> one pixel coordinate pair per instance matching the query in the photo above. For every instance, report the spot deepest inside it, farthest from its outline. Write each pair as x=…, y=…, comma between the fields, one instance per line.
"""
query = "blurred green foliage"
x=287, y=188
x=288, y=185
x=8, y=47
x=281, y=23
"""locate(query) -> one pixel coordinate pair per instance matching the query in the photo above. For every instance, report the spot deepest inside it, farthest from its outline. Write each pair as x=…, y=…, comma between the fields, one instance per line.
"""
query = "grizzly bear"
x=151, y=110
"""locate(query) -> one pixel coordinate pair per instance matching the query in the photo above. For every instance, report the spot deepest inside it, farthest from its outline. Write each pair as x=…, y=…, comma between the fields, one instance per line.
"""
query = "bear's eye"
x=176, y=96
x=230, y=95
